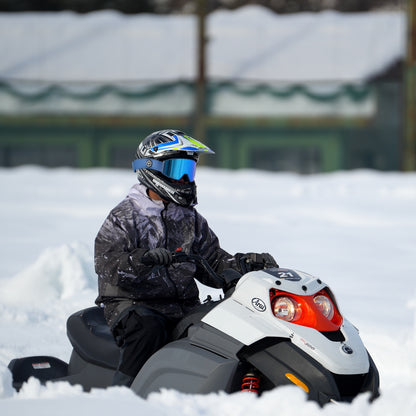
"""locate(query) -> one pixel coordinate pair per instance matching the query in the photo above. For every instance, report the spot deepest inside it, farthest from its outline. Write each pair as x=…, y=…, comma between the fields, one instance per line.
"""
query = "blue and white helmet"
x=166, y=163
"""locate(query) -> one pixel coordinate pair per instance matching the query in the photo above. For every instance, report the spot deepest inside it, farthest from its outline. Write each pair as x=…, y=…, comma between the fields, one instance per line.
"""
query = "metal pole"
x=409, y=146
x=200, y=85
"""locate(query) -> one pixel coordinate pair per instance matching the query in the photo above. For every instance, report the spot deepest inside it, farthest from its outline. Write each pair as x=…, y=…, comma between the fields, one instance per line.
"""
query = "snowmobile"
x=273, y=327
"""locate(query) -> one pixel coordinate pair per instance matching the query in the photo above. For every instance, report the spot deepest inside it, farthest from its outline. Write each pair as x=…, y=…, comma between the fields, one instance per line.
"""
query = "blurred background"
x=303, y=86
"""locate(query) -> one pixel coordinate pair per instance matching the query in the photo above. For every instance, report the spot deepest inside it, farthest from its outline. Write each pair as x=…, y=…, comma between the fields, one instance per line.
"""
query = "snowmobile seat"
x=91, y=337
x=92, y=340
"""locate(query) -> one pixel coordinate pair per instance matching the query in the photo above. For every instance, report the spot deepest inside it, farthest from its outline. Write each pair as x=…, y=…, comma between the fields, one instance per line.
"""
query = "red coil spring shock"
x=250, y=383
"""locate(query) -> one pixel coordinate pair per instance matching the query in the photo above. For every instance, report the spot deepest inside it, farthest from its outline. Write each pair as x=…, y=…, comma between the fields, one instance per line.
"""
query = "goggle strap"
x=147, y=164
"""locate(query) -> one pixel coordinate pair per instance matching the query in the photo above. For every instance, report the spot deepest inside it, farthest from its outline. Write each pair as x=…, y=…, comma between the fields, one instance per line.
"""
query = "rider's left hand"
x=255, y=261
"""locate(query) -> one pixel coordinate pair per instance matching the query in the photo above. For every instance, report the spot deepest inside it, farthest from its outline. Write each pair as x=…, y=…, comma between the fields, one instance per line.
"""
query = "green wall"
x=301, y=145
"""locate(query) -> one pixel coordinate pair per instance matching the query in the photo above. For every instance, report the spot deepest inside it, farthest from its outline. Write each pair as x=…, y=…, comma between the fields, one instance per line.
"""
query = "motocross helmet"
x=165, y=163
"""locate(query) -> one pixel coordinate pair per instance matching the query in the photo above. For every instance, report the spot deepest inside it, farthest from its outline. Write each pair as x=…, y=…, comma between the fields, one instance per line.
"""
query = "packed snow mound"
x=44, y=400
x=59, y=274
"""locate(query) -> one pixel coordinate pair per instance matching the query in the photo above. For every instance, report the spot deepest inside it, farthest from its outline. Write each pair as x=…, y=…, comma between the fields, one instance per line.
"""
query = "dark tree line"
x=188, y=6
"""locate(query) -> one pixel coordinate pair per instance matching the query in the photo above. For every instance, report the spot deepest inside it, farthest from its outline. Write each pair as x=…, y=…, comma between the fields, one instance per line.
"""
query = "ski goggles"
x=172, y=168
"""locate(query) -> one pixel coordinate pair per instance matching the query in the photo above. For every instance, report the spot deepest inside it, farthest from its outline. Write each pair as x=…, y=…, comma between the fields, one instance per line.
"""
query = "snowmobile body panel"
x=204, y=362
x=282, y=362
x=186, y=368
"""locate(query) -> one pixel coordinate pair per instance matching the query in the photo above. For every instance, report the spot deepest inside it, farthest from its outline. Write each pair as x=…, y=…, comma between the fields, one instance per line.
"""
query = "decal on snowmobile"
x=40, y=366
x=286, y=274
x=258, y=304
x=306, y=343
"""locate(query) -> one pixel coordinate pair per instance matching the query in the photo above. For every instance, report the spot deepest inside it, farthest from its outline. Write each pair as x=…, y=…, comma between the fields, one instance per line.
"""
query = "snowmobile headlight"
x=318, y=310
x=325, y=306
x=286, y=308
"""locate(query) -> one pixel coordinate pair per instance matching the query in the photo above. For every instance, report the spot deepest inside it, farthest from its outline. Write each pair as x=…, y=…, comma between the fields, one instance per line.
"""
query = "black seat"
x=91, y=337
x=92, y=340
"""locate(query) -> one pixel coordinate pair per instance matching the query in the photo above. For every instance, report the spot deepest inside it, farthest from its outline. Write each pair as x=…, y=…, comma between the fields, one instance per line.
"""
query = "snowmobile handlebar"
x=229, y=277
x=181, y=257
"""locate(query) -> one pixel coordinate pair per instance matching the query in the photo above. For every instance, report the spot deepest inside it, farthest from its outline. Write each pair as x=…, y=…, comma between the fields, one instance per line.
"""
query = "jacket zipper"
x=163, y=216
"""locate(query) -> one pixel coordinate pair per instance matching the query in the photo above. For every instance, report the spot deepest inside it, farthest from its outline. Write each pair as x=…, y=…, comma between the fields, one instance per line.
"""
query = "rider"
x=144, y=294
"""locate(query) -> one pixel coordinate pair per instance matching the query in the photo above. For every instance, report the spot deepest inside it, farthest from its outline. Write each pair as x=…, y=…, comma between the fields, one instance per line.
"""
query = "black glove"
x=157, y=256
x=248, y=262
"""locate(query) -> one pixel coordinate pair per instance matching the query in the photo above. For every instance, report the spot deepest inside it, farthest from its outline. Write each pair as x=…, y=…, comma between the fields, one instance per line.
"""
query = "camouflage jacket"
x=136, y=225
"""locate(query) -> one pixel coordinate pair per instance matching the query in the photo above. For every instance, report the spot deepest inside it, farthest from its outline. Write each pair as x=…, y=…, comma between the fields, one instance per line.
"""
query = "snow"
x=251, y=44
x=356, y=230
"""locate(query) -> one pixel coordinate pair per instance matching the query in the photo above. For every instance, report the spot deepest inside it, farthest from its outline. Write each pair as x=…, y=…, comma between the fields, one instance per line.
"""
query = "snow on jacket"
x=136, y=225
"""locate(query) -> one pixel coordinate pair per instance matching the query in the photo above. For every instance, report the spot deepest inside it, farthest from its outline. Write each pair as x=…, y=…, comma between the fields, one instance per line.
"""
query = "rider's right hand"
x=157, y=256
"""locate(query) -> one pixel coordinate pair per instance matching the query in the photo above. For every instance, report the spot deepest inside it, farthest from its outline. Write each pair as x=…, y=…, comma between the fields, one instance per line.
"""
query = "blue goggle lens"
x=177, y=168
x=172, y=168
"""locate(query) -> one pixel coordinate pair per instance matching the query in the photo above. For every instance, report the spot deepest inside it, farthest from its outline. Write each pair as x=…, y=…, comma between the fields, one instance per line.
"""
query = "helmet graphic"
x=166, y=162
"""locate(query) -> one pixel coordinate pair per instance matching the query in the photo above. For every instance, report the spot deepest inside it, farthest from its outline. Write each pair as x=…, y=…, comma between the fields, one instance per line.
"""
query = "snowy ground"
x=355, y=230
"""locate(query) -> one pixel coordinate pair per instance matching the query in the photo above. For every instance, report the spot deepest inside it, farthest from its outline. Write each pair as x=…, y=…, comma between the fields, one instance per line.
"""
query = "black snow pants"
x=139, y=334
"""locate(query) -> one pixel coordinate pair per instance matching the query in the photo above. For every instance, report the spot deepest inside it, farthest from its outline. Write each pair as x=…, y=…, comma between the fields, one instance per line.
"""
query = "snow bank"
x=59, y=274
x=69, y=400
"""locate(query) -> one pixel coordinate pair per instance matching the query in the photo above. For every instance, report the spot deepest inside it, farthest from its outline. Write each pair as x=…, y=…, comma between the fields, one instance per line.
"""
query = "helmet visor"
x=172, y=168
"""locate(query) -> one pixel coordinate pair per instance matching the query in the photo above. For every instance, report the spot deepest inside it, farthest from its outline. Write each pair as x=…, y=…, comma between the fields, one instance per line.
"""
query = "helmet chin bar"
x=183, y=194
